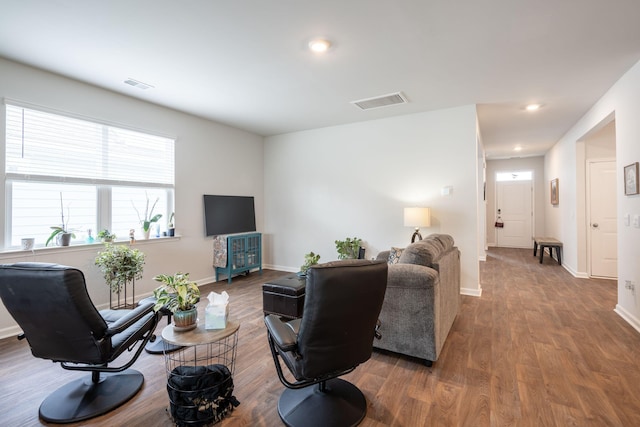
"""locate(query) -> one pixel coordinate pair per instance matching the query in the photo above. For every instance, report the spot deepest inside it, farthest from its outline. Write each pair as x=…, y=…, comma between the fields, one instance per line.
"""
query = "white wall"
x=535, y=164
x=354, y=181
x=210, y=158
x=623, y=100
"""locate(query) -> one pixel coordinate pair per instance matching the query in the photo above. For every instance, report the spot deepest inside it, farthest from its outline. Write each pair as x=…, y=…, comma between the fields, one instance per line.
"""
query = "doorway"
x=514, y=209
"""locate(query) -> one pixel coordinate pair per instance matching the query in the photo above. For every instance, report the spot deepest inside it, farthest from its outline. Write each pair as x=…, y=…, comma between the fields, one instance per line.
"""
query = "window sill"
x=78, y=247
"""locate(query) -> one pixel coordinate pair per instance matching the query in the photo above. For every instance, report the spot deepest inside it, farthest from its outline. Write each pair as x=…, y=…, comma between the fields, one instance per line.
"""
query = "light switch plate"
x=636, y=221
x=627, y=219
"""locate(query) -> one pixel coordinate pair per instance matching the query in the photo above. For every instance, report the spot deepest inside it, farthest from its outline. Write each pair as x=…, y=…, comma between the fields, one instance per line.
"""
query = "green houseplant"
x=61, y=233
x=149, y=218
x=348, y=248
x=171, y=231
x=120, y=265
x=309, y=260
x=179, y=295
x=106, y=236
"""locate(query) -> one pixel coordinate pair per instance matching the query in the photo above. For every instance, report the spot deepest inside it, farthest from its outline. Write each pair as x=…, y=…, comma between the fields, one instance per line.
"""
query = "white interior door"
x=513, y=200
x=603, y=228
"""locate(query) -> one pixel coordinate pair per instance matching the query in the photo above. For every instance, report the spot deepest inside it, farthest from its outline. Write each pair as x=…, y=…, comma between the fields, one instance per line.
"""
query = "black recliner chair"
x=51, y=304
x=335, y=334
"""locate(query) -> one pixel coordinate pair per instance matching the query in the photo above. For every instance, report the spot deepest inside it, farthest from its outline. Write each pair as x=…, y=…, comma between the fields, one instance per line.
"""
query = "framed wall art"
x=631, y=179
x=555, y=192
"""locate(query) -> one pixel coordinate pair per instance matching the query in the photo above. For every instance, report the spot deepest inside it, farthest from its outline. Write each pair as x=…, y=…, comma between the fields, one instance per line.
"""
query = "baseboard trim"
x=628, y=317
x=11, y=331
x=471, y=292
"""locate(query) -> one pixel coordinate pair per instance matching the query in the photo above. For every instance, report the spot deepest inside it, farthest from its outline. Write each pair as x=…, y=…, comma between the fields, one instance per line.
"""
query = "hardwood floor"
x=539, y=348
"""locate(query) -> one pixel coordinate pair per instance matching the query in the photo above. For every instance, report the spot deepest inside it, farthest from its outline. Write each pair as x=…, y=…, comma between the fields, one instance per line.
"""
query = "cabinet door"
x=238, y=251
x=253, y=250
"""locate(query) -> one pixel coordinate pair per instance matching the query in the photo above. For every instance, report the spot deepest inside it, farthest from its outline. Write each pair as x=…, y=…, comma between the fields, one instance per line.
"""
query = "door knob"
x=595, y=225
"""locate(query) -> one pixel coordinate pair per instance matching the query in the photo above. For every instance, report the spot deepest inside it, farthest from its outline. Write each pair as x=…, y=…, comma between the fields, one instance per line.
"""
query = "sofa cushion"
x=394, y=255
x=423, y=252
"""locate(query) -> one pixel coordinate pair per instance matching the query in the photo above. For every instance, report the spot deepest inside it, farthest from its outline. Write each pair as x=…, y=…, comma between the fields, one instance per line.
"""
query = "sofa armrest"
x=411, y=276
x=384, y=255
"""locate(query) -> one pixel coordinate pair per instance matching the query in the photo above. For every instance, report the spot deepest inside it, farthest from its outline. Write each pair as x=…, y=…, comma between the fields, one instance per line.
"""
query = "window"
x=514, y=176
x=94, y=174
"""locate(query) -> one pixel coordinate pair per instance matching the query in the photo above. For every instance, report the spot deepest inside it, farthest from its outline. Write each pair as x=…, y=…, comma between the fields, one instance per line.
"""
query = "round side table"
x=199, y=370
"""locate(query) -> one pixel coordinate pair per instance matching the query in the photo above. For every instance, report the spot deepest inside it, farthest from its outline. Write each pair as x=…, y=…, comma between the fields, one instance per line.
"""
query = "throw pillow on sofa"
x=394, y=255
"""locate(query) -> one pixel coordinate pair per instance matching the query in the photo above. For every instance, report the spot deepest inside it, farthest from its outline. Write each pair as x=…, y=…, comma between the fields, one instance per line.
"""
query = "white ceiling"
x=245, y=62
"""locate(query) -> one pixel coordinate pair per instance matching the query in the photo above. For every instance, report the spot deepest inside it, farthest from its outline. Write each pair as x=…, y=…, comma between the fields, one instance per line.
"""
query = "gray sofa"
x=422, y=298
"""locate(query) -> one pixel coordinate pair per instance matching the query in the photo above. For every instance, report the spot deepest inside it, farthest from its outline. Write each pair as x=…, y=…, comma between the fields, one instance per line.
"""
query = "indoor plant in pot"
x=348, y=248
x=60, y=233
x=179, y=295
x=309, y=260
x=149, y=218
x=106, y=236
x=120, y=265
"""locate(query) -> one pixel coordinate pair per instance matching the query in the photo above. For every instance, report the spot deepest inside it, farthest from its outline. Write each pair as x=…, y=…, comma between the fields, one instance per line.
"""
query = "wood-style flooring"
x=539, y=348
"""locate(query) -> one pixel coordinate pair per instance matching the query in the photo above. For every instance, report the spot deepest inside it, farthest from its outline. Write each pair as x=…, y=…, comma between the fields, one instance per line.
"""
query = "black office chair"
x=51, y=304
x=335, y=334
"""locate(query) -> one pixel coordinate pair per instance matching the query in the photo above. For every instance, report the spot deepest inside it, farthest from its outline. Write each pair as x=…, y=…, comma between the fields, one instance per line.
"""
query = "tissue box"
x=215, y=316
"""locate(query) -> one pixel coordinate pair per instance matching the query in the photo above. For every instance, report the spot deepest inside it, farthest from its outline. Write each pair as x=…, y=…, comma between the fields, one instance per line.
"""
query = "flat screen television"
x=228, y=214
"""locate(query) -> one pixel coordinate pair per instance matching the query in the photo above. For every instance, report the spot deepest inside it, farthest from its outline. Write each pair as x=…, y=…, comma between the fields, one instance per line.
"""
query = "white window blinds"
x=47, y=146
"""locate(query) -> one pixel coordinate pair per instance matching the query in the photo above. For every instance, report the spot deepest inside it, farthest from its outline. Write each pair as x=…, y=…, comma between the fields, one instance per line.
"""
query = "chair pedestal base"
x=340, y=404
x=159, y=347
x=82, y=399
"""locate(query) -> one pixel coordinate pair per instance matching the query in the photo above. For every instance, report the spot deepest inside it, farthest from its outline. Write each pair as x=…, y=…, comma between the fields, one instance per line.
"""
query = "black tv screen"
x=228, y=214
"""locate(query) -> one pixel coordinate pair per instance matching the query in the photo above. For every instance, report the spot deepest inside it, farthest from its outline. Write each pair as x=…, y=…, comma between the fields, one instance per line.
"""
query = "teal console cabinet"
x=244, y=253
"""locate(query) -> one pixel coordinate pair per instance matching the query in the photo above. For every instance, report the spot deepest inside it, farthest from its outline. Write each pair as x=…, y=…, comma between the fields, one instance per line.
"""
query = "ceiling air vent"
x=381, y=101
x=138, y=84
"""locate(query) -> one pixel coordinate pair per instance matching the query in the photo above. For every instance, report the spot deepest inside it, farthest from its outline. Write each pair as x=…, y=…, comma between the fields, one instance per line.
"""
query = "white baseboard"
x=471, y=292
x=628, y=317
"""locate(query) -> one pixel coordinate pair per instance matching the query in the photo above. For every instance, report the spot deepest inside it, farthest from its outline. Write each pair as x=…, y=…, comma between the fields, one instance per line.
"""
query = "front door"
x=603, y=229
x=513, y=200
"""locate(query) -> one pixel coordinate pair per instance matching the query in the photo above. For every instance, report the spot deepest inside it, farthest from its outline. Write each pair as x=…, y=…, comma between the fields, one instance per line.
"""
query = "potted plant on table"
x=171, y=231
x=179, y=295
x=120, y=265
x=149, y=218
x=348, y=248
x=60, y=233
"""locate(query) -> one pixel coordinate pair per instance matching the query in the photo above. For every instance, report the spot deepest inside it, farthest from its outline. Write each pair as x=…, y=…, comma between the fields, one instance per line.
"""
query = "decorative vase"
x=185, y=320
x=145, y=233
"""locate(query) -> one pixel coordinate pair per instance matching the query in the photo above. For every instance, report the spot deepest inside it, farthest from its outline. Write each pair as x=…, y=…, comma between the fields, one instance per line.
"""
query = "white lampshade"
x=417, y=217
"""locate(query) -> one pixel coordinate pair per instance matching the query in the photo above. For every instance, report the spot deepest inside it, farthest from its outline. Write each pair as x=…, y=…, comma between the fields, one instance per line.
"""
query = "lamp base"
x=416, y=234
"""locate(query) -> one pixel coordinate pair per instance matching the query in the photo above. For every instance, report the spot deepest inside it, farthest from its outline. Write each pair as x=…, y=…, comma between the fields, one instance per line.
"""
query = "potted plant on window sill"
x=61, y=234
x=149, y=218
x=179, y=295
x=171, y=231
x=106, y=236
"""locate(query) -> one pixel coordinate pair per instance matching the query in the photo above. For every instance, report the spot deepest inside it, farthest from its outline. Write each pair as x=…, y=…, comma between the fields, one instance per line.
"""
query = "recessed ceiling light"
x=533, y=107
x=319, y=45
x=517, y=148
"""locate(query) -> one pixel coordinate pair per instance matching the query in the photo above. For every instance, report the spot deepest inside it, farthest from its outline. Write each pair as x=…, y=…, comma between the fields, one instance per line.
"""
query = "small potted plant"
x=348, y=248
x=179, y=295
x=106, y=236
x=309, y=260
x=60, y=233
x=149, y=218
x=120, y=265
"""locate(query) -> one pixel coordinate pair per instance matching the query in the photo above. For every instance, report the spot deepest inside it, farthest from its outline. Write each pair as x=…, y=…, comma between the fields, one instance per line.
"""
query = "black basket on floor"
x=200, y=395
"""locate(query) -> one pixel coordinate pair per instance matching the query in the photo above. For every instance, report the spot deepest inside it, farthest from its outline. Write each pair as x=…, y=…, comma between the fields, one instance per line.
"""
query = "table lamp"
x=417, y=217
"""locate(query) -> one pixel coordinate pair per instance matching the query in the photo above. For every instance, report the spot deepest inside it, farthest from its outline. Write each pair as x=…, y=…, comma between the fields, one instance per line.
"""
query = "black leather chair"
x=334, y=335
x=51, y=304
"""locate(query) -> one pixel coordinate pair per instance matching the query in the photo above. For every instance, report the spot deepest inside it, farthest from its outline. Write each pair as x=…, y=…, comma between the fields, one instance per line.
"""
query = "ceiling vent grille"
x=381, y=101
x=138, y=84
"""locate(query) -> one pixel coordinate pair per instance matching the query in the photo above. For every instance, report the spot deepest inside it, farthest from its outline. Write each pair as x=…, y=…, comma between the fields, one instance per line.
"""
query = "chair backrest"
x=51, y=304
x=342, y=302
